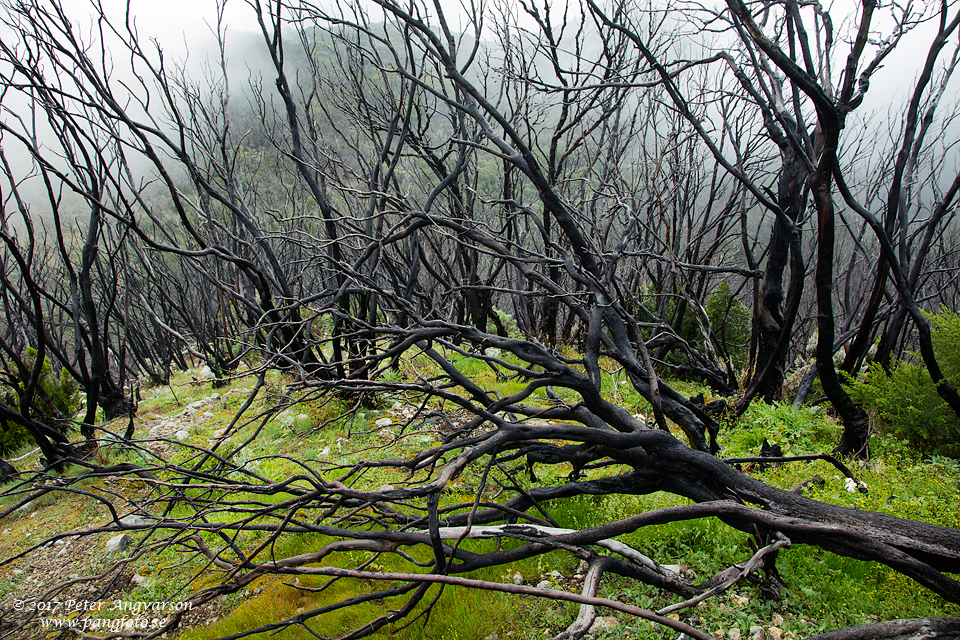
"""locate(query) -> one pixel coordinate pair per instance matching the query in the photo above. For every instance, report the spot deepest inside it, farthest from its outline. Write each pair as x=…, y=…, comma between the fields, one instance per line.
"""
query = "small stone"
x=757, y=633
x=208, y=414
x=719, y=634
x=556, y=574
x=6, y=531
x=517, y=578
x=734, y=634
x=118, y=543
x=134, y=521
x=774, y=633
x=205, y=373
x=325, y=452
x=182, y=434
x=397, y=406
x=543, y=584
x=384, y=487
x=777, y=620
x=215, y=396
x=603, y=622
x=139, y=579
x=384, y=422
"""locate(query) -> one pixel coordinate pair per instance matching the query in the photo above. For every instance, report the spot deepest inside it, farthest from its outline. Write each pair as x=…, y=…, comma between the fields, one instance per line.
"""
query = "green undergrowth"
x=822, y=591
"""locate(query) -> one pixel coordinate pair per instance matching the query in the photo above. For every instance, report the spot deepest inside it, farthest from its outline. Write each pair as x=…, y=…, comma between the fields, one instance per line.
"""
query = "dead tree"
x=373, y=248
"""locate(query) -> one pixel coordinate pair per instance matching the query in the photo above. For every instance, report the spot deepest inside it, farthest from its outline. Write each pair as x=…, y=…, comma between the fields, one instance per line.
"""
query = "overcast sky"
x=182, y=25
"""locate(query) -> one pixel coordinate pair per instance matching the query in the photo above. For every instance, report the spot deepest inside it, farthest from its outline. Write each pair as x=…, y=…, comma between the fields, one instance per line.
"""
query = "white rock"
x=139, y=579
x=215, y=396
x=774, y=633
x=543, y=584
x=397, y=406
x=302, y=418
x=384, y=422
x=734, y=634
x=118, y=542
x=556, y=574
x=205, y=373
x=517, y=578
x=208, y=414
x=384, y=487
x=325, y=452
x=757, y=633
x=603, y=622
x=134, y=521
x=182, y=434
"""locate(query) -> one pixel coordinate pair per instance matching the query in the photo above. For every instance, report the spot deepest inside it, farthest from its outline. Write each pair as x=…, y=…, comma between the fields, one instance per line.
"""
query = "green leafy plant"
x=61, y=389
x=905, y=402
x=730, y=322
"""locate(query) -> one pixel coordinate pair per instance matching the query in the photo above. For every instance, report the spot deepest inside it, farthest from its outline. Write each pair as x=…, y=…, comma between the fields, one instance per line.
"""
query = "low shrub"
x=905, y=402
x=62, y=389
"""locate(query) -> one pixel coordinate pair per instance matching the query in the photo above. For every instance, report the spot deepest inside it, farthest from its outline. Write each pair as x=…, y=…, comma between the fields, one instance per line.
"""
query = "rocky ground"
x=53, y=578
